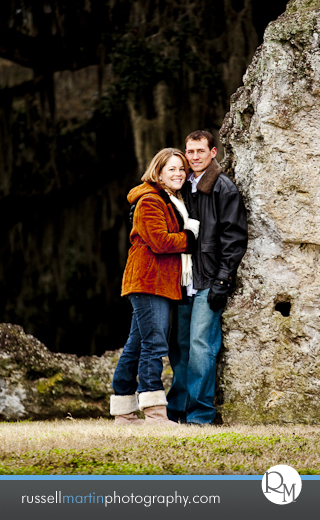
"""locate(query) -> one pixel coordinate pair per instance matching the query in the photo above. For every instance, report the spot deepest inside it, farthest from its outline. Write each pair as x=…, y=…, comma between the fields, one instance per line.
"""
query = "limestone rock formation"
x=270, y=368
x=38, y=384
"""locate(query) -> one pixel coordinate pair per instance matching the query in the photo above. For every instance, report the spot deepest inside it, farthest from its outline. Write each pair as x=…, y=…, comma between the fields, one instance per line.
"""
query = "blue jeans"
x=146, y=346
x=193, y=361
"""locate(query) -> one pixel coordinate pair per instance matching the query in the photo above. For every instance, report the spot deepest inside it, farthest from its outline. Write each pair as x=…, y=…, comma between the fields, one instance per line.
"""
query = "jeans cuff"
x=123, y=404
x=148, y=399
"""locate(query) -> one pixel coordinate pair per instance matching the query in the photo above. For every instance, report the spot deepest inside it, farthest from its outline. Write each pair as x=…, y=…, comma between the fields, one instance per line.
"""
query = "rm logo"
x=281, y=484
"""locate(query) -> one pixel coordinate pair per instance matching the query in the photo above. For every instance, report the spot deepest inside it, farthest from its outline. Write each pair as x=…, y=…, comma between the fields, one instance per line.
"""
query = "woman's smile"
x=173, y=173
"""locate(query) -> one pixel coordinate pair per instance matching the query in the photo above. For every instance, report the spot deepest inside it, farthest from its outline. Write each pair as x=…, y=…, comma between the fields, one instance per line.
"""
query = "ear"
x=213, y=152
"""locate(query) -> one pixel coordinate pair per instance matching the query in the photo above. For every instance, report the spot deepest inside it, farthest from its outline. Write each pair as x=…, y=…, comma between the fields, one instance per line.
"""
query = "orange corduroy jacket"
x=154, y=260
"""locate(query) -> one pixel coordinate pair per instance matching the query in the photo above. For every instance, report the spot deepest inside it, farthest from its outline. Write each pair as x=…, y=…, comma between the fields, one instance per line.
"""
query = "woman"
x=152, y=280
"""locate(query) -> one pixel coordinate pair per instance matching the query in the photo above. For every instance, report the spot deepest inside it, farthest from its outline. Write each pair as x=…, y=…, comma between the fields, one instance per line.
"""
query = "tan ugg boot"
x=127, y=419
x=154, y=406
x=158, y=415
x=124, y=408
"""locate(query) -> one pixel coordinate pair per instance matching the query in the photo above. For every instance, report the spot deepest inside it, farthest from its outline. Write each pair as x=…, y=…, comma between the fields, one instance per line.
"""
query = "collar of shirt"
x=194, y=181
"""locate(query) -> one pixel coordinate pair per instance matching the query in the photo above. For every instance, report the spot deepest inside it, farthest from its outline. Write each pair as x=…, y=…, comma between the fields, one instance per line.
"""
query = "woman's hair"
x=153, y=171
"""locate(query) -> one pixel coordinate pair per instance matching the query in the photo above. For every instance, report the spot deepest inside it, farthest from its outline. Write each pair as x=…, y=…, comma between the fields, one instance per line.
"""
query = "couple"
x=189, y=229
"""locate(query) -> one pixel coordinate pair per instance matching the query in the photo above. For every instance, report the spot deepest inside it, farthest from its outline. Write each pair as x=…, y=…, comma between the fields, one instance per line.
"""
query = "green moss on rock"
x=46, y=386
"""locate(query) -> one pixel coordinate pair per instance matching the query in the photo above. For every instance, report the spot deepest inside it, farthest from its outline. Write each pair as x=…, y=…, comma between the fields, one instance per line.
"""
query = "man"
x=212, y=198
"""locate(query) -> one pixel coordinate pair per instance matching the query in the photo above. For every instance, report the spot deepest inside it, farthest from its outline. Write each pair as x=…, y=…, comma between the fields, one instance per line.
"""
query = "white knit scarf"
x=186, y=259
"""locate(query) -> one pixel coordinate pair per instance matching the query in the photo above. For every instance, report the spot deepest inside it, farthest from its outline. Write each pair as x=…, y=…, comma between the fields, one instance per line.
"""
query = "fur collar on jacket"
x=209, y=178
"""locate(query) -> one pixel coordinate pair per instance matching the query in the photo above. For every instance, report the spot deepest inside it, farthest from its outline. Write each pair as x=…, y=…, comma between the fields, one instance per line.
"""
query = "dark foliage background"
x=89, y=91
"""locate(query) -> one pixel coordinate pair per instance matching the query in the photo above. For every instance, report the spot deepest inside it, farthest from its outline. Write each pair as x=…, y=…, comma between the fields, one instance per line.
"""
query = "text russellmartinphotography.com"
x=146, y=500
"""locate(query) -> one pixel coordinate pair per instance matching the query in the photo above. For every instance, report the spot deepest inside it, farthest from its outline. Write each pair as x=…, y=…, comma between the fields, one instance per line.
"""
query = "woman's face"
x=173, y=173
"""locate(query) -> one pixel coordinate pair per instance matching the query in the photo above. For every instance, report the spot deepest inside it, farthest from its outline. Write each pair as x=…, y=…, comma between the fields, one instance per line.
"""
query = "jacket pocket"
x=209, y=258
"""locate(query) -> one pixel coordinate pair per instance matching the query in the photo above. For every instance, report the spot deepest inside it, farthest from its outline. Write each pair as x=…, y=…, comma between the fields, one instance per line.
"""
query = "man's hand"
x=218, y=294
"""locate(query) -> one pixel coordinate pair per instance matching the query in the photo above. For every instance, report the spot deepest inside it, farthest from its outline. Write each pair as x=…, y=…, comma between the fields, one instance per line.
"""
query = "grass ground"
x=97, y=447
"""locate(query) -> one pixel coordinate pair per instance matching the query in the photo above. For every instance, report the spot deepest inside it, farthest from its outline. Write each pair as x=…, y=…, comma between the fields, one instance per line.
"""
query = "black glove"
x=131, y=212
x=218, y=294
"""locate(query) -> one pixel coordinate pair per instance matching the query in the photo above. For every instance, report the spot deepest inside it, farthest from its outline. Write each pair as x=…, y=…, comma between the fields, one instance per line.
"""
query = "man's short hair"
x=201, y=134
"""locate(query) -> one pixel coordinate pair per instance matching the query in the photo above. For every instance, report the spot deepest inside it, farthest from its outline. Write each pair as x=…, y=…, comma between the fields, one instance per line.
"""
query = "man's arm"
x=233, y=234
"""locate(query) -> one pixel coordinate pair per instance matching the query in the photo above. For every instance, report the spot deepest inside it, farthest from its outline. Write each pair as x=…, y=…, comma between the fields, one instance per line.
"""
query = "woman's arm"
x=151, y=224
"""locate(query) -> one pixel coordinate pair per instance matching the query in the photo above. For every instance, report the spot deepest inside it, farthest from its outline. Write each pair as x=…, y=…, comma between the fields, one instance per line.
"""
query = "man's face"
x=199, y=155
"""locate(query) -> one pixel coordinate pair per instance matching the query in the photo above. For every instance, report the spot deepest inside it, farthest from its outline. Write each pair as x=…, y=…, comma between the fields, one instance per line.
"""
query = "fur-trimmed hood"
x=142, y=189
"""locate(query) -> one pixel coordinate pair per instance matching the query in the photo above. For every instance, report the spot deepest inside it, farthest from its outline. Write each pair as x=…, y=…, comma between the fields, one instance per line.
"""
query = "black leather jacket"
x=223, y=232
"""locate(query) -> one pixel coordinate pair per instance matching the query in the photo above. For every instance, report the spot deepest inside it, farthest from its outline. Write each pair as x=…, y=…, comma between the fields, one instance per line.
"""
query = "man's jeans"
x=193, y=361
x=146, y=346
